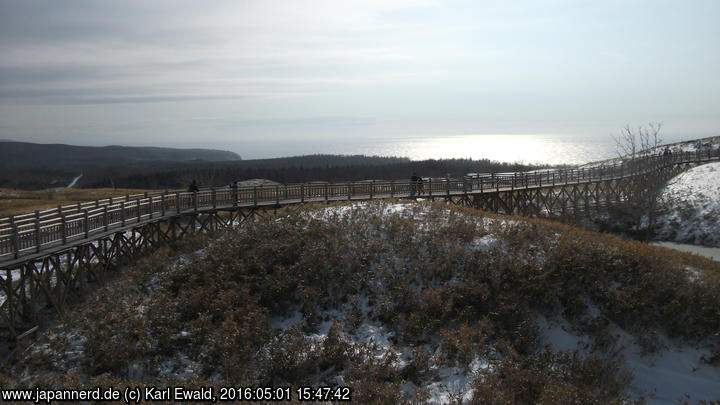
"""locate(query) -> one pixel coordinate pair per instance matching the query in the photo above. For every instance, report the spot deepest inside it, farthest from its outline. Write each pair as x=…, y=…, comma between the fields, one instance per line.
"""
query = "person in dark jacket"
x=413, y=183
x=193, y=188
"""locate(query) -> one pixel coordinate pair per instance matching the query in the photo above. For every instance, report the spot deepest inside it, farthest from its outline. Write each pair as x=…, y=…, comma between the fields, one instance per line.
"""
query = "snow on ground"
x=74, y=181
x=676, y=372
x=709, y=252
x=690, y=204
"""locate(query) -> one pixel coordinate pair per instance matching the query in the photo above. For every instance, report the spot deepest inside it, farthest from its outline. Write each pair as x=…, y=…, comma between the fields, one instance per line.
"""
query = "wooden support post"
x=86, y=223
x=122, y=213
x=139, y=214
x=162, y=203
x=235, y=194
x=15, y=239
x=63, y=229
x=38, y=229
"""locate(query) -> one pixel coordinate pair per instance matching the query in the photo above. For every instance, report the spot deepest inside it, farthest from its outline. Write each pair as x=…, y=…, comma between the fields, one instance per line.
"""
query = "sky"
x=266, y=77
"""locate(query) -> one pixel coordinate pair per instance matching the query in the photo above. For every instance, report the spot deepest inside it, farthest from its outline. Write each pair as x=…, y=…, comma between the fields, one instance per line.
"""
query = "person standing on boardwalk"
x=413, y=184
x=193, y=188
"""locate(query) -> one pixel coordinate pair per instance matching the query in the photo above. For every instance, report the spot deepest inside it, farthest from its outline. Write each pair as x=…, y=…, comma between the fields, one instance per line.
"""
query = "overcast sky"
x=229, y=73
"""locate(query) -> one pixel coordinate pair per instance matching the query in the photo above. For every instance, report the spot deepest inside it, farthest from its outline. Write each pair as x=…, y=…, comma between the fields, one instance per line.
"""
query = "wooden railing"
x=33, y=233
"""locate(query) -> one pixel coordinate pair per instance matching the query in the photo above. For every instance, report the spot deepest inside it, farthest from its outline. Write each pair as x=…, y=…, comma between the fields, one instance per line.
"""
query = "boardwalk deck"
x=29, y=235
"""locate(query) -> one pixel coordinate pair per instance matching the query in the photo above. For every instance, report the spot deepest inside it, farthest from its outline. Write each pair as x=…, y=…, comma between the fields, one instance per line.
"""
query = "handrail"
x=31, y=232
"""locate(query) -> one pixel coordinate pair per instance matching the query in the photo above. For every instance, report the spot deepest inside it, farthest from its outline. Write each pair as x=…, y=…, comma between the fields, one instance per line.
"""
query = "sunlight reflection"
x=552, y=149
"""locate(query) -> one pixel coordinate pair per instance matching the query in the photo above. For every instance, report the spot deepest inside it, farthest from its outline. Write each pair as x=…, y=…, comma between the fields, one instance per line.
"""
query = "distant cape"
x=26, y=154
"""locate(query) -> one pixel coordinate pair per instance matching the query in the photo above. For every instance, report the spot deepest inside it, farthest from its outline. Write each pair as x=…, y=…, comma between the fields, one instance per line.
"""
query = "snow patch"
x=691, y=207
x=676, y=372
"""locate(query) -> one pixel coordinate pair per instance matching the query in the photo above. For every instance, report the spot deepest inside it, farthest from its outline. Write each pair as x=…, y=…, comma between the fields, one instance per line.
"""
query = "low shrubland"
x=389, y=299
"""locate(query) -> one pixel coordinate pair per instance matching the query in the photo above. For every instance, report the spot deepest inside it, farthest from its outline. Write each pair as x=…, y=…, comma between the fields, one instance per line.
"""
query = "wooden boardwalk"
x=46, y=254
x=49, y=230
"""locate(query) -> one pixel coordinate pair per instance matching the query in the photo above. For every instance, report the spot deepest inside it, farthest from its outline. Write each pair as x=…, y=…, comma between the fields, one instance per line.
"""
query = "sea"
x=528, y=148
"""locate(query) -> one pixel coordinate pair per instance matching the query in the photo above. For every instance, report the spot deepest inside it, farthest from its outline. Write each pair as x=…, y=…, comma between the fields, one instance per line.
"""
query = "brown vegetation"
x=14, y=202
x=422, y=276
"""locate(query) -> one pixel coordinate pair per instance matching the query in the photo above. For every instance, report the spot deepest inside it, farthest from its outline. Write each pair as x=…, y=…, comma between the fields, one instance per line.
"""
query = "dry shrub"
x=552, y=378
x=460, y=346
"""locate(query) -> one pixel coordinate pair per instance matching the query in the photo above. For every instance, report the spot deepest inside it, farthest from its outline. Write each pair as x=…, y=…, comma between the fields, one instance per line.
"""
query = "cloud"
x=278, y=60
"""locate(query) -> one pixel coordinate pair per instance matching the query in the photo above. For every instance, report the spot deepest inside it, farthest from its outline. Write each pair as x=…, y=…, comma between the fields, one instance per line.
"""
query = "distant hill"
x=49, y=156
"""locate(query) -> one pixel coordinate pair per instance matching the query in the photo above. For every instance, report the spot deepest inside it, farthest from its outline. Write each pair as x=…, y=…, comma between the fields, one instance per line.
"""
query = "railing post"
x=482, y=187
x=63, y=229
x=195, y=200
x=214, y=197
x=122, y=213
x=277, y=195
x=447, y=185
x=392, y=188
x=162, y=203
x=234, y=194
x=38, y=238
x=326, y=192
x=430, y=187
x=86, y=222
x=255, y=196
x=372, y=188
x=350, y=188
x=512, y=185
x=177, y=201
x=105, y=218
x=15, y=237
x=302, y=192
x=139, y=215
